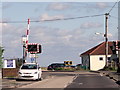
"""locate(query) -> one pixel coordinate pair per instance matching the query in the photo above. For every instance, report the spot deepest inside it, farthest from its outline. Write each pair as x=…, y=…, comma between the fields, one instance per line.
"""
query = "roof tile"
x=99, y=49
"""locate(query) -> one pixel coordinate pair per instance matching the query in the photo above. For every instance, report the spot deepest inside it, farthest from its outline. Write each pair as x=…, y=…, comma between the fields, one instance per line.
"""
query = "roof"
x=99, y=49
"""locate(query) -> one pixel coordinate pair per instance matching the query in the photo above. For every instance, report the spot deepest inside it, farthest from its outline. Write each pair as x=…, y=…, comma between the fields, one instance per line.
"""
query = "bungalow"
x=94, y=58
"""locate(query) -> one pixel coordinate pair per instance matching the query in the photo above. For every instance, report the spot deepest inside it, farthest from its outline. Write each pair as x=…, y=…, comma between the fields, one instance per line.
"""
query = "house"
x=94, y=58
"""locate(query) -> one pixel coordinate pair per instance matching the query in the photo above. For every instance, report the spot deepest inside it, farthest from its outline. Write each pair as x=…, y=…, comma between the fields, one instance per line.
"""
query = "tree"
x=1, y=56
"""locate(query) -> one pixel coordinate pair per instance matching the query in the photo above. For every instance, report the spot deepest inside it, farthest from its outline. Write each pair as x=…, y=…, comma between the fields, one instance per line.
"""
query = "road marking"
x=101, y=74
x=80, y=83
x=75, y=76
x=71, y=81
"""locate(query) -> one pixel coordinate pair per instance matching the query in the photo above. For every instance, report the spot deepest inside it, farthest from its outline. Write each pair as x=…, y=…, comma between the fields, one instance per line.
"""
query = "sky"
x=61, y=40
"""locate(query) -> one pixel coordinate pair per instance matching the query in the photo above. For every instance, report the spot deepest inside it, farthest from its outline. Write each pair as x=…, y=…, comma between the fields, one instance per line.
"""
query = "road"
x=67, y=80
x=92, y=81
x=74, y=80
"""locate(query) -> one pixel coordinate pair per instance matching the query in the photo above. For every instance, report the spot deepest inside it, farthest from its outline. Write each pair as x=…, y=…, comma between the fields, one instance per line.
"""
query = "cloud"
x=12, y=40
x=58, y=6
x=57, y=44
x=89, y=25
x=97, y=7
x=110, y=35
x=54, y=36
x=3, y=24
x=47, y=17
x=101, y=5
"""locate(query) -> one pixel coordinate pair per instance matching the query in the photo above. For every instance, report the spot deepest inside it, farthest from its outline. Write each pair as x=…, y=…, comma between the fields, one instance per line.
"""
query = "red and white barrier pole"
x=27, y=37
x=28, y=30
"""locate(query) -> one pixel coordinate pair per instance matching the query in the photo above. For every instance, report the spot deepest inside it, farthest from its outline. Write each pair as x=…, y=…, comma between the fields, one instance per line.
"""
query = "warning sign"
x=9, y=63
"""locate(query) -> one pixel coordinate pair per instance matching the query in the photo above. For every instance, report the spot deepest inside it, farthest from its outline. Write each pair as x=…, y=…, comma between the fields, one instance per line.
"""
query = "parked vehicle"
x=30, y=71
x=54, y=66
x=73, y=66
x=78, y=65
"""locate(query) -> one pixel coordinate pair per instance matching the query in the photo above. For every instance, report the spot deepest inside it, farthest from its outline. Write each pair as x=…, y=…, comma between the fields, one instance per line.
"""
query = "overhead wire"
x=58, y=19
x=112, y=7
x=115, y=17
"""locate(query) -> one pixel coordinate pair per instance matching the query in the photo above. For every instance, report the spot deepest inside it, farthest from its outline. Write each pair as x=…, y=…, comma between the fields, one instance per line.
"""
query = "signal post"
x=29, y=48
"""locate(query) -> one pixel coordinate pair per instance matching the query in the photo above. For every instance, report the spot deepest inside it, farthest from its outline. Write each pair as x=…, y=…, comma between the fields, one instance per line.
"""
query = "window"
x=108, y=58
x=101, y=58
x=29, y=66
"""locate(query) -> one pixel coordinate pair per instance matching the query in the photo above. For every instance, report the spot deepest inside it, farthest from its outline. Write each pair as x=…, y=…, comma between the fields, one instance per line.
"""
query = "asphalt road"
x=66, y=81
x=92, y=81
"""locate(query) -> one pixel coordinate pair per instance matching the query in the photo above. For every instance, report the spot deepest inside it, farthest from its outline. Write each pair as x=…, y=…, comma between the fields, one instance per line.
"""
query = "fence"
x=9, y=72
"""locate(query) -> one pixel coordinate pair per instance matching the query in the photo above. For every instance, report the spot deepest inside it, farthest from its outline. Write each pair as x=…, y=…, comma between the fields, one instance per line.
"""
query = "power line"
x=54, y=19
x=112, y=7
x=115, y=17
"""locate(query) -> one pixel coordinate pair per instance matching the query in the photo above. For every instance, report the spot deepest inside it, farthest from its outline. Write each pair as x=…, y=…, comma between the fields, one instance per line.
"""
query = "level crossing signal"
x=34, y=48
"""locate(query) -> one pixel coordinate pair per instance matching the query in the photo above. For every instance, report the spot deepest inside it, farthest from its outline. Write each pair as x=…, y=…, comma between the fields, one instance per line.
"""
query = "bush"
x=109, y=69
x=1, y=54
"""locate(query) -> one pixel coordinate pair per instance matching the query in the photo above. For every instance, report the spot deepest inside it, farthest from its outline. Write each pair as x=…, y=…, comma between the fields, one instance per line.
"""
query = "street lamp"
x=97, y=33
x=106, y=46
x=24, y=38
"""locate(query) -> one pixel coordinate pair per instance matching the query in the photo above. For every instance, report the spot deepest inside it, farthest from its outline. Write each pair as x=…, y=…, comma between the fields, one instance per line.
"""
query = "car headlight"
x=20, y=73
x=35, y=72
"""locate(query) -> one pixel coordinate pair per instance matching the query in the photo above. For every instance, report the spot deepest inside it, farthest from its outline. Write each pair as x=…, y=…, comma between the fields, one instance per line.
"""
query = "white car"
x=30, y=71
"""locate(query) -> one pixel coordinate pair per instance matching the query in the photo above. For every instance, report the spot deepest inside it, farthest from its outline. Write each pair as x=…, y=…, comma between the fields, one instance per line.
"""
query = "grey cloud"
x=89, y=25
x=54, y=36
x=57, y=45
x=58, y=6
x=48, y=17
x=101, y=5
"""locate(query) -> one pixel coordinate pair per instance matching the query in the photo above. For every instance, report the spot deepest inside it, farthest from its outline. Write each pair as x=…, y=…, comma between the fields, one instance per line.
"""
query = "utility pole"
x=106, y=38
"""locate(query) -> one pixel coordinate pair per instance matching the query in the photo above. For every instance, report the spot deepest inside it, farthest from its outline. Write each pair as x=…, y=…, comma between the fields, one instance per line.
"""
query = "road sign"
x=32, y=55
x=68, y=63
x=32, y=59
x=9, y=63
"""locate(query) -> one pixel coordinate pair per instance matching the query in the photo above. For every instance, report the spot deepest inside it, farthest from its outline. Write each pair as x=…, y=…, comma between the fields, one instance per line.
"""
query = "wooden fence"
x=9, y=72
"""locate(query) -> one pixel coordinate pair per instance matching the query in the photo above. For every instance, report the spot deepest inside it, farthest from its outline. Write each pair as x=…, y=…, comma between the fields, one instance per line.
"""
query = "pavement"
x=112, y=75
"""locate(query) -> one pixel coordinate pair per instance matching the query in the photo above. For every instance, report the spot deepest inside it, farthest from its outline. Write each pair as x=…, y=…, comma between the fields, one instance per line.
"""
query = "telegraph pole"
x=106, y=38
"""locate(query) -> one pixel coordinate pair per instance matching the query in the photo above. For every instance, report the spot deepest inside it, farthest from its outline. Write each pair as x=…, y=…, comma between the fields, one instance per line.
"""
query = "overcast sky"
x=61, y=40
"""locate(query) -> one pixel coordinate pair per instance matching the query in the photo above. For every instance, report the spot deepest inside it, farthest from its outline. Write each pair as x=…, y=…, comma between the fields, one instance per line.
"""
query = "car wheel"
x=38, y=78
x=18, y=79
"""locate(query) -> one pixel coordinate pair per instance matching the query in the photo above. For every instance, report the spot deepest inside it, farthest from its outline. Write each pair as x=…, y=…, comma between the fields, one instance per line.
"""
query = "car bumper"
x=28, y=77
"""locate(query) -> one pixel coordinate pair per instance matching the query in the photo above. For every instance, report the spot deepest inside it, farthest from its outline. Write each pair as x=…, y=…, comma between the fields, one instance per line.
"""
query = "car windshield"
x=29, y=66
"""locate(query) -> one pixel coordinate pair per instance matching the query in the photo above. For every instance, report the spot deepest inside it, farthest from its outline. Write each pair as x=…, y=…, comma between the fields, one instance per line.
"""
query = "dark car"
x=54, y=66
x=78, y=65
